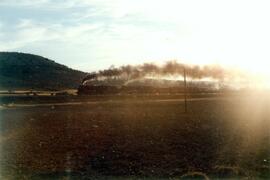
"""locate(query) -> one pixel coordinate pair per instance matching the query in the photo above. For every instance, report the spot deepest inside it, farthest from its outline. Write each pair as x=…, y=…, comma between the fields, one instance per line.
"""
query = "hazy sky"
x=93, y=34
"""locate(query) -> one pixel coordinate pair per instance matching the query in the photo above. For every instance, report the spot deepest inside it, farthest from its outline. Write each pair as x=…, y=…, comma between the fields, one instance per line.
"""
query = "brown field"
x=135, y=137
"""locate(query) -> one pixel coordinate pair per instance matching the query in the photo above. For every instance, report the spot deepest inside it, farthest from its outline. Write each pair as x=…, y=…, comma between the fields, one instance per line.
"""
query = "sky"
x=94, y=34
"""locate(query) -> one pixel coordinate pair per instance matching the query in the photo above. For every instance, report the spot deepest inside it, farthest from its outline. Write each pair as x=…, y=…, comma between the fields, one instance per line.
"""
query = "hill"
x=28, y=71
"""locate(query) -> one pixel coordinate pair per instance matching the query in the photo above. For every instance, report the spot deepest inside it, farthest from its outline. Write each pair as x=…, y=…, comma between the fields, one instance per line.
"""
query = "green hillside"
x=28, y=71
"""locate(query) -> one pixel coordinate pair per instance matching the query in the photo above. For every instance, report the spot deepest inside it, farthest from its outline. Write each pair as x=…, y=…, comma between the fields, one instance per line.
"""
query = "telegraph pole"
x=185, y=89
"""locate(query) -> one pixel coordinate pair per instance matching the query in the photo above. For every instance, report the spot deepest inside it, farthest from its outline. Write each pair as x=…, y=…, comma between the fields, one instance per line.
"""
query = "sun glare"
x=220, y=35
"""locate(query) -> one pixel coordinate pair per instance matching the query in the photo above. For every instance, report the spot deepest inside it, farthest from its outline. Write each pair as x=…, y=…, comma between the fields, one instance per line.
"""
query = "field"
x=135, y=137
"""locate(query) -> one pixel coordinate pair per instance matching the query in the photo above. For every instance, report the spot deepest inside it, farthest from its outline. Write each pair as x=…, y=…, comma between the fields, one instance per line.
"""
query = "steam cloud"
x=171, y=68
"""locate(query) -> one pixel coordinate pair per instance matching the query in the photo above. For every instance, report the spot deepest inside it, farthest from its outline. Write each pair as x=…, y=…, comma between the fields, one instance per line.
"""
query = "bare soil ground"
x=136, y=138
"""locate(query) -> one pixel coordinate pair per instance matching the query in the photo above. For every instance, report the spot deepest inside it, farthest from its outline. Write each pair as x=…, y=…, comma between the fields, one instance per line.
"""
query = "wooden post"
x=185, y=89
